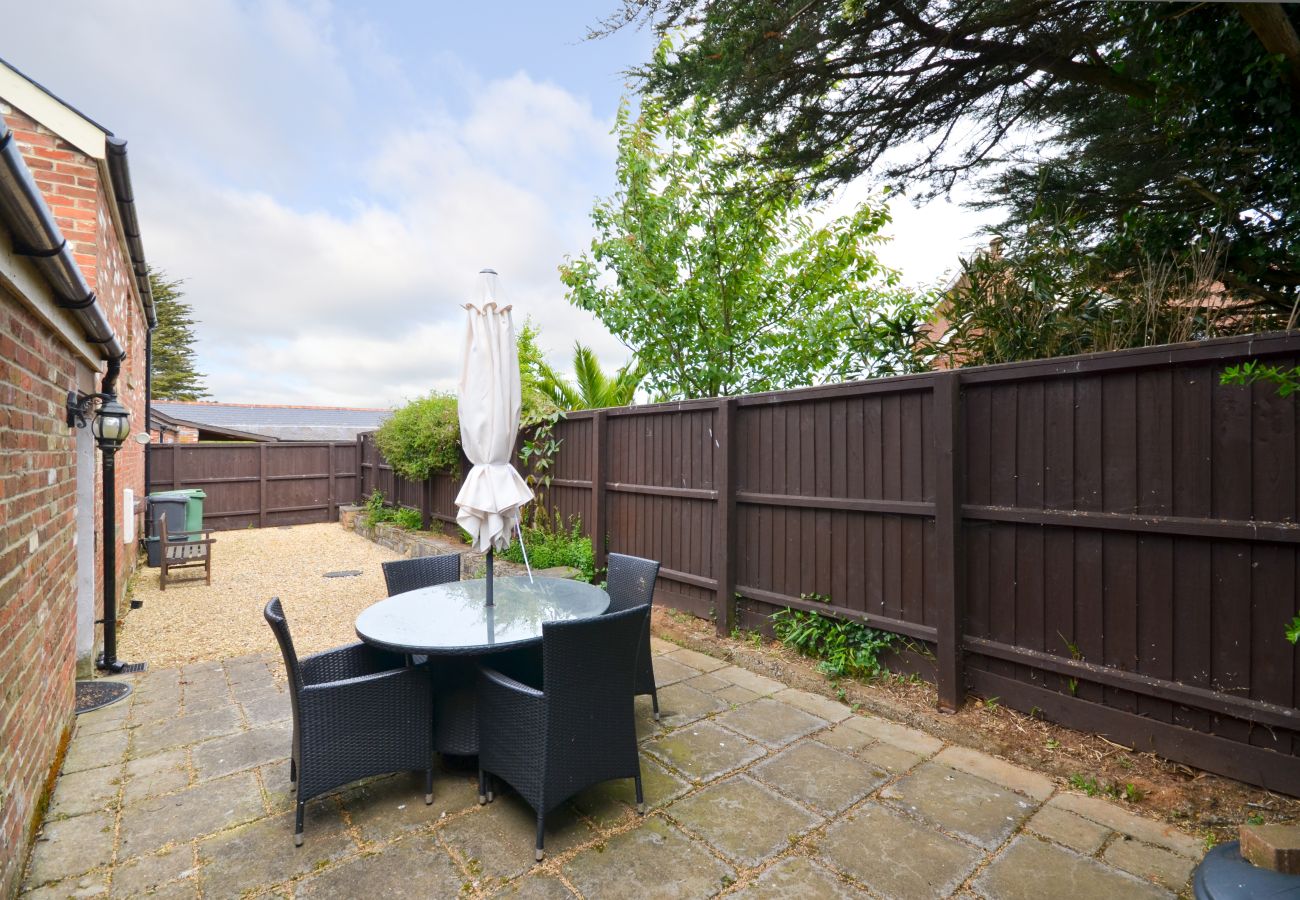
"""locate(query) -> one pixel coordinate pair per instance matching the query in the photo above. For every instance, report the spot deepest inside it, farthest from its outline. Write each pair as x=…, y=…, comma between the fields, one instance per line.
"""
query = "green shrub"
x=549, y=545
x=422, y=437
x=844, y=648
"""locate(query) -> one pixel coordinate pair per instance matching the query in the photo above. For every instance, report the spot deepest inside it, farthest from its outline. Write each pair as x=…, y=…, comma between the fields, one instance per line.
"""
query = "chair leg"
x=482, y=786
x=297, y=825
x=654, y=701
x=640, y=797
x=428, y=786
x=541, y=831
x=293, y=771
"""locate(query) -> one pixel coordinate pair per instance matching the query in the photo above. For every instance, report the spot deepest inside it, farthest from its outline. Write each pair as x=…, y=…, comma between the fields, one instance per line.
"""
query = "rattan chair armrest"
x=370, y=682
x=507, y=683
x=346, y=662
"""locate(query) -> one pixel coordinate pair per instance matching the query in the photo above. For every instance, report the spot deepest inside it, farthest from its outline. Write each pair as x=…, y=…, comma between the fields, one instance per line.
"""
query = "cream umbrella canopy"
x=488, y=400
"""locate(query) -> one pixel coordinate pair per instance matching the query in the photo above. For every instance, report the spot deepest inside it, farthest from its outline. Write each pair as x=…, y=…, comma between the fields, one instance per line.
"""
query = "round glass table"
x=453, y=625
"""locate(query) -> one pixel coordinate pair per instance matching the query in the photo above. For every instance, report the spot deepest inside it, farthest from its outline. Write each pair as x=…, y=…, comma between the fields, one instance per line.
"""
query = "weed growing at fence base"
x=377, y=513
x=550, y=544
x=844, y=648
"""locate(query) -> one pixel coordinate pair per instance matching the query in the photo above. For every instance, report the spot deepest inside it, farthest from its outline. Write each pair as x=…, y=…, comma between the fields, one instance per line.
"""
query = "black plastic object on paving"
x=1224, y=875
x=95, y=694
x=159, y=508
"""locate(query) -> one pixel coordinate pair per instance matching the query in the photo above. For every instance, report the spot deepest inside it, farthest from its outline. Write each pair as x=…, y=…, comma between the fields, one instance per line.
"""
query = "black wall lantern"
x=111, y=426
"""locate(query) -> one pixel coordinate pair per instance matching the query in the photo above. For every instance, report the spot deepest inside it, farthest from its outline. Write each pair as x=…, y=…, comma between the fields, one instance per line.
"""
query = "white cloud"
x=363, y=307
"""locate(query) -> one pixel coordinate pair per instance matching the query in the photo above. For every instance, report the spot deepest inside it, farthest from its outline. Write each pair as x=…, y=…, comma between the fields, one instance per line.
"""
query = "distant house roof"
x=250, y=421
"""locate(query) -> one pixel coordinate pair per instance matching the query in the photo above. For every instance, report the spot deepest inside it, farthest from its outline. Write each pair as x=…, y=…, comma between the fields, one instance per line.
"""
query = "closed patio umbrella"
x=488, y=401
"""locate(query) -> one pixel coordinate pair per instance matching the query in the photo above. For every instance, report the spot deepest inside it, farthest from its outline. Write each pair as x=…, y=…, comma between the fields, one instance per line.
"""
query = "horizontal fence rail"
x=1112, y=540
x=260, y=484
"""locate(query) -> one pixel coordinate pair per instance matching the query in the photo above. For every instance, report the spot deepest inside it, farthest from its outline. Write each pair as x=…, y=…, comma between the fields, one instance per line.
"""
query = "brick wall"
x=73, y=188
x=38, y=588
x=38, y=595
x=181, y=434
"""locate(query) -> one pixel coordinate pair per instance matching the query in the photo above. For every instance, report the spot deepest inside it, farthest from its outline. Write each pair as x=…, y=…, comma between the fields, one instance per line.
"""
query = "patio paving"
x=755, y=790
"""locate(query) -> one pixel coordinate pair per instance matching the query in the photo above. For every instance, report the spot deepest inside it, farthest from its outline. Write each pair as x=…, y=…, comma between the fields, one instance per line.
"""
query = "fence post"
x=361, y=458
x=176, y=472
x=949, y=561
x=331, y=515
x=599, y=475
x=724, y=556
x=426, y=502
x=261, y=485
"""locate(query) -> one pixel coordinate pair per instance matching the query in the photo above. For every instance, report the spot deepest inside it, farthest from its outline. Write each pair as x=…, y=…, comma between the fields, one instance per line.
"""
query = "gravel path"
x=190, y=622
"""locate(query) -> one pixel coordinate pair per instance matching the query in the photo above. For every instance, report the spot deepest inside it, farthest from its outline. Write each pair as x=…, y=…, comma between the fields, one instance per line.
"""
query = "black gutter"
x=120, y=175
x=37, y=236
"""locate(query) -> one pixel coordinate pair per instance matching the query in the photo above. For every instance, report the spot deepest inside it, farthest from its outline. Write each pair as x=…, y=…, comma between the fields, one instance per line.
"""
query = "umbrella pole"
x=489, y=576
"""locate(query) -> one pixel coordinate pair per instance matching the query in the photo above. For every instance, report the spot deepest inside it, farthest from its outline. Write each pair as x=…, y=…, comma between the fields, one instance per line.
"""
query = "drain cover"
x=94, y=694
x=346, y=573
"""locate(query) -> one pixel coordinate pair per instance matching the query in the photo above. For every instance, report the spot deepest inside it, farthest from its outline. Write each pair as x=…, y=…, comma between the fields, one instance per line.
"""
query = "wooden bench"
x=179, y=552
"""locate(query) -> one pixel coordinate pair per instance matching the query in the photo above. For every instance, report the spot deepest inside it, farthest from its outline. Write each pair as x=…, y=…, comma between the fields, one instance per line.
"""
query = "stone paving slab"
x=771, y=722
x=1031, y=869
x=819, y=777
x=190, y=813
x=681, y=704
x=744, y=820
x=703, y=752
x=971, y=808
x=411, y=866
x=661, y=861
x=798, y=876
x=755, y=790
x=895, y=855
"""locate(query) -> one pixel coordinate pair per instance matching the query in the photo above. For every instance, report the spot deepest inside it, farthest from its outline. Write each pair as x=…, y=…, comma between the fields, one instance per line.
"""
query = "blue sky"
x=328, y=177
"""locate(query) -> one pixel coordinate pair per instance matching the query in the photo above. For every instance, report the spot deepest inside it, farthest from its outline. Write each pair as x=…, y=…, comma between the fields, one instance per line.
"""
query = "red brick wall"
x=182, y=434
x=72, y=186
x=38, y=593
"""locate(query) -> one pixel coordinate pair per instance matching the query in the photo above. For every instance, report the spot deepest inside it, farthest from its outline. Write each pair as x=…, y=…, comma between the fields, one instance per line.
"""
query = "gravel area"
x=190, y=622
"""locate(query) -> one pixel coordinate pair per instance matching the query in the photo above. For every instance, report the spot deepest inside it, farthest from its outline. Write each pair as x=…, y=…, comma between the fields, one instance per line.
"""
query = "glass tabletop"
x=455, y=617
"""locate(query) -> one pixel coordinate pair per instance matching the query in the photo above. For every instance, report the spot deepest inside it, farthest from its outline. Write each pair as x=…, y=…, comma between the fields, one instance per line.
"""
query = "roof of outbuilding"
x=250, y=414
x=285, y=423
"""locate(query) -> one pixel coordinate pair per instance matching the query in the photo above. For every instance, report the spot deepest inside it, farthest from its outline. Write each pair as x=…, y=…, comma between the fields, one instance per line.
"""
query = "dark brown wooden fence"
x=260, y=484
x=1110, y=540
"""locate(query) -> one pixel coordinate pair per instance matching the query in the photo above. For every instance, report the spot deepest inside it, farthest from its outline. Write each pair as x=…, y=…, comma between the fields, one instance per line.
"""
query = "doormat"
x=346, y=573
x=94, y=694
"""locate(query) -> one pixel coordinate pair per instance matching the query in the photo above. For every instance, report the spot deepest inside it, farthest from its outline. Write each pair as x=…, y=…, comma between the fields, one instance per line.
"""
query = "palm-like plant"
x=591, y=387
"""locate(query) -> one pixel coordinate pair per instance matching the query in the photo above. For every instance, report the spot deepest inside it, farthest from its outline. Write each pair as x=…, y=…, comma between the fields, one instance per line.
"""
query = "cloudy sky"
x=327, y=178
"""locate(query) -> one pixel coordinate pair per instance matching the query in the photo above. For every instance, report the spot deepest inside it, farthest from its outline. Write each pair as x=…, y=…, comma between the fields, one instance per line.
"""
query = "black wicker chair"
x=631, y=582
x=577, y=728
x=357, y=711
x=403, y=575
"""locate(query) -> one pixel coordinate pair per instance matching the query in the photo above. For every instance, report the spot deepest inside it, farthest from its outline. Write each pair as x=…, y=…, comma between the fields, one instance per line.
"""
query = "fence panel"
x=260, y=484
x=1111, y=540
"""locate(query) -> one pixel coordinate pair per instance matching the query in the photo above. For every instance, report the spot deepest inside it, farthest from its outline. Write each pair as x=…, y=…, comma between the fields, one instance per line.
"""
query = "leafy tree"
x=591, y=388
x=174, y=374
x=1044, y=298
x=722, y=283
x=536, y=404
x=1150, y=126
